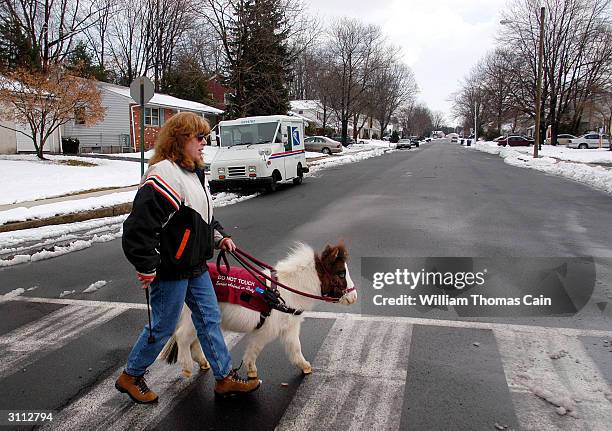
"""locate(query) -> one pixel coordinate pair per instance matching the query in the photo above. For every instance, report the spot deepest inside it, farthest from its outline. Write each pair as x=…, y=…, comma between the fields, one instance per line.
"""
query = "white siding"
x=8, y=142
x=110, y=132
x=25, y=144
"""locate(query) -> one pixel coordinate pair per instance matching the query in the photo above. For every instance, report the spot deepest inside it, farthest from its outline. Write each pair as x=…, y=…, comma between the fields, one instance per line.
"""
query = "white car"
x=590, y=140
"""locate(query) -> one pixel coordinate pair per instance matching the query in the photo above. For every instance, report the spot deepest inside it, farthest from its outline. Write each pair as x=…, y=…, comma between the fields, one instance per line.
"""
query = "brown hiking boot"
x=233, y=384
x=136, y=387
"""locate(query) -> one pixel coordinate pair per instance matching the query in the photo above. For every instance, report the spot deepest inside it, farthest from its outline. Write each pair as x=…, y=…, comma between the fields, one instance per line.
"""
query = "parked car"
x=515, y=141
x=403, y=143
x=322, y=144
x=590, y=140
x=562, y=139
x=454, y=139
x=414, y=140
x=348, y=141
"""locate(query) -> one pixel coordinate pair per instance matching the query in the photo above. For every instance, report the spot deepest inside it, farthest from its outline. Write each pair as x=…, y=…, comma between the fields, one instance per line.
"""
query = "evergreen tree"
x=15, y=49
x=260, y=64
x=80, y=62
x=187, y=80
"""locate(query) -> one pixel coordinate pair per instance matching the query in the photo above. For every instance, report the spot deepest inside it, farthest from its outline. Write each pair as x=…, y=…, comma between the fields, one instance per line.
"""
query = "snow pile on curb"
x=12, y=294
x=95, y=286
x=72, y=206
x=59, y=250
x=595, y=176
x=65, y=207
x=356, y=153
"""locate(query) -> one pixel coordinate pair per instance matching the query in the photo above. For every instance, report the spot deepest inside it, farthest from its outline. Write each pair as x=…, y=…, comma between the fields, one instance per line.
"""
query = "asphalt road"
x=452, y=370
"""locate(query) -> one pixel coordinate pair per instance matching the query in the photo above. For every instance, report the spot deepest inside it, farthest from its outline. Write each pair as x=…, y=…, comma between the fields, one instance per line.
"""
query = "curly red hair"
x=174, y=134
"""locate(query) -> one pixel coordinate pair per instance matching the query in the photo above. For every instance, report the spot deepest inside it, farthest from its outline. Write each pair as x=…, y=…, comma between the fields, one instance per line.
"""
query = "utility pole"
x=538, y=106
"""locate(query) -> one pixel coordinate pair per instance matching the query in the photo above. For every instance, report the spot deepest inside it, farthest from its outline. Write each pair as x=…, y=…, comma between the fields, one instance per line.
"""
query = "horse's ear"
x=330, y=254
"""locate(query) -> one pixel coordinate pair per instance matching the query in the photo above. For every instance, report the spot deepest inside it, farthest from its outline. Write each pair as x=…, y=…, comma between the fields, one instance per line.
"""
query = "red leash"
x=243, y=258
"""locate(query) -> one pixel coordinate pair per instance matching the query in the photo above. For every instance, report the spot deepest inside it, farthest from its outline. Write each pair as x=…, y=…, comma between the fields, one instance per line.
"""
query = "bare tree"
x=392, y=87
x=130, y=40
x=437, y=120
x=51, y=27
x=415, y=120
x=574, y=54
x=354, y=55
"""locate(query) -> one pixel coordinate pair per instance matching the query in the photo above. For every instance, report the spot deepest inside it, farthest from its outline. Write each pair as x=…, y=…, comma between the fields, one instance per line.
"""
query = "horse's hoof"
x=187, y=373
x=252, y=374
x=205, y=366
x=307, y=370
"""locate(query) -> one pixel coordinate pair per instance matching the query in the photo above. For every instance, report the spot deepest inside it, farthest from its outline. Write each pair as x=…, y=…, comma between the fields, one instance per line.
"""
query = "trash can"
x=70, y=145
x=462, y=140
x=469, y=142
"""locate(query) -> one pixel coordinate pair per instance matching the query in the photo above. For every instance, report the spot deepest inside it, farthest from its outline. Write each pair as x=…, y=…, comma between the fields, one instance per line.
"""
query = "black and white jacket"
x=171, y=232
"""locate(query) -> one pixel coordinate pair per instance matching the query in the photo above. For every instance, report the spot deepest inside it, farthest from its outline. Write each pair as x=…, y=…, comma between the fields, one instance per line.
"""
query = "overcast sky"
x=440, y=39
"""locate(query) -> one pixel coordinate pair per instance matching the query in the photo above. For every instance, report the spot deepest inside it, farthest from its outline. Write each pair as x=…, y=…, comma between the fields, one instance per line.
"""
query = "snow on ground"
x=27, y=178
x=314, y=155
x=554, y=160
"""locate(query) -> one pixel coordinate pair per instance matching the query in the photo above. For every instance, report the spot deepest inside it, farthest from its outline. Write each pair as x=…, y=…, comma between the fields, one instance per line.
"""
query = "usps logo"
x=295, y=135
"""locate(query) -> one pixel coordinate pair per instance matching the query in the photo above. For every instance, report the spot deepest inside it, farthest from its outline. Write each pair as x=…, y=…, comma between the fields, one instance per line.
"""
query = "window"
x=300, y=112
x=151, y=116
x=592, y=137
x=79, y=116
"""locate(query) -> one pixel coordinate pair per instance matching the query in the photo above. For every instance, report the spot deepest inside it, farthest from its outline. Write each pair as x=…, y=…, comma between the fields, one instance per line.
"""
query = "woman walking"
x=168, y=237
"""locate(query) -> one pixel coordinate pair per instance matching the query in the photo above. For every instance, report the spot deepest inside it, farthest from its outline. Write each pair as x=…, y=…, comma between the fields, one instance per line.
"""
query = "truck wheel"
x=300, y=176
x=273, y=186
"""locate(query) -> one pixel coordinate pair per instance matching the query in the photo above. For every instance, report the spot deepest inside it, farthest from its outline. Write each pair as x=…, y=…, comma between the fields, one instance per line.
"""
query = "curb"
x=112, y=211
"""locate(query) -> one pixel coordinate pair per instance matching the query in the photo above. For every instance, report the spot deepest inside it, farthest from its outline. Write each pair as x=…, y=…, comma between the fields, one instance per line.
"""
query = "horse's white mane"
x=300, y=257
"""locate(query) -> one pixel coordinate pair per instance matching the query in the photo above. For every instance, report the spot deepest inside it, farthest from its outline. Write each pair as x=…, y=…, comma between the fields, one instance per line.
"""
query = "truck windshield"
x=246, y=134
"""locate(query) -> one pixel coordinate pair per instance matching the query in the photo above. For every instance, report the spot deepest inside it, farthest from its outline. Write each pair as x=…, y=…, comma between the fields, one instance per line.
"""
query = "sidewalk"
x=78, y=201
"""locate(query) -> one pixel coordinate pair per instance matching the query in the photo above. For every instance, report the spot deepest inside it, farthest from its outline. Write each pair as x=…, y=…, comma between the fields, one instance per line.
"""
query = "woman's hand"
x=145, y=280
x=227, y=244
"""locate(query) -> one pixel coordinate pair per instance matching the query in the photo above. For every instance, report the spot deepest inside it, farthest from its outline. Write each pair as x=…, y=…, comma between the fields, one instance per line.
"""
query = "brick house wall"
x=151, y=132
x=217, y=92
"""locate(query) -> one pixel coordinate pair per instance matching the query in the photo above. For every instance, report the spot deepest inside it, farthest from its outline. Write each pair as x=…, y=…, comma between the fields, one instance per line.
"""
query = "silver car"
x=590, y=140
x=322, y=144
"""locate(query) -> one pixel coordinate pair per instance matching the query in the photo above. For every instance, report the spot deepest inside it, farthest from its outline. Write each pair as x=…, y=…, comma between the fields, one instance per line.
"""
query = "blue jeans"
x=167, y=299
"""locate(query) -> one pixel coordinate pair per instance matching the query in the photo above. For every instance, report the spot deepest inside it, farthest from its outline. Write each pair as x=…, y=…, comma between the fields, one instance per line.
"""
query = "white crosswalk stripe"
x=104, y=408
x=559, y=369
x=358, y=381
x=27, y=344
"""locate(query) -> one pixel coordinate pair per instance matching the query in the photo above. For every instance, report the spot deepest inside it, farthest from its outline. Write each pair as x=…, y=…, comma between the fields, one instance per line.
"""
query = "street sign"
x=147, y=86
x=142, y=90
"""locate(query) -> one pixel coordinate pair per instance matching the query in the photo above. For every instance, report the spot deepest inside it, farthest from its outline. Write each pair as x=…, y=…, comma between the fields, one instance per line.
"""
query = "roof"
x=301, y=117
x=163, y=100
x=302, y=105
x=260, y=119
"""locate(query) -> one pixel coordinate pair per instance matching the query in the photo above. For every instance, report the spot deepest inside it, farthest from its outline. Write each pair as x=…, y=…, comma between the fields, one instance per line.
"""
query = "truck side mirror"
x=214, y=138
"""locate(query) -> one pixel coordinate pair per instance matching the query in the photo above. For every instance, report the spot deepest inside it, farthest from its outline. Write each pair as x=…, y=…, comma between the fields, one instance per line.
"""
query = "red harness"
x=239, y=287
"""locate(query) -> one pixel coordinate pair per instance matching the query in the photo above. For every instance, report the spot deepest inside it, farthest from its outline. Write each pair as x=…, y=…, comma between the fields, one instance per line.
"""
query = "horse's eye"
x=341, y=274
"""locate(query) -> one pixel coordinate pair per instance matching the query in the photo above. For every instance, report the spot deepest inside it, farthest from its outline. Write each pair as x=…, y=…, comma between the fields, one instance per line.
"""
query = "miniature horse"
x=303, y=270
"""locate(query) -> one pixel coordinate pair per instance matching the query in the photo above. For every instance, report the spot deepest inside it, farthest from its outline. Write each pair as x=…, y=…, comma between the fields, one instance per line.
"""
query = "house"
x=218, y=92
x=120, y=129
